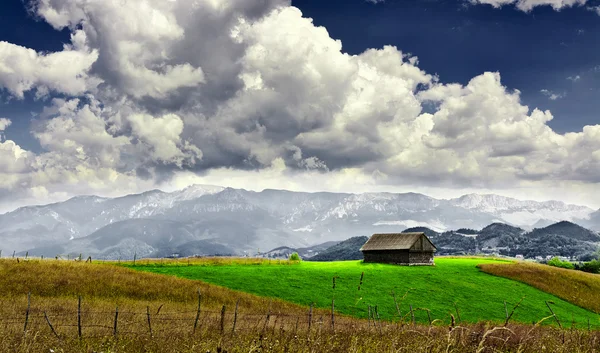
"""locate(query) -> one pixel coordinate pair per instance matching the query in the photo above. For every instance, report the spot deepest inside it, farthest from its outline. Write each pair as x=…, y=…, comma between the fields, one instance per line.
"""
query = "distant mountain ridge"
x=559, y=239
x=496, y=239
x=284, y=252
x=242, y=222
x=346, y=250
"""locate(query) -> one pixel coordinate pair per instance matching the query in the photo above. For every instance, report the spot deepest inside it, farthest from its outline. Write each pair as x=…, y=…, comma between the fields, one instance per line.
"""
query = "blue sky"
x=196, y=103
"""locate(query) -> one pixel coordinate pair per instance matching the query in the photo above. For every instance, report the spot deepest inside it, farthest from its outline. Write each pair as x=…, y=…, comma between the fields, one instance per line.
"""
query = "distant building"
x=520, y=257
x=399, y=248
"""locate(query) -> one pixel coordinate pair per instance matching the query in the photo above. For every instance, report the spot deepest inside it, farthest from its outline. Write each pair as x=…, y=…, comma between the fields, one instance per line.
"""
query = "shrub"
x=556, y=262
x=591, y=266
x=295, y=257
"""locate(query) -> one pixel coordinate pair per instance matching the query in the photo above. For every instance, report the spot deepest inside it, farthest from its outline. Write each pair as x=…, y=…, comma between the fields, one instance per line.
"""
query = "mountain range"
x=208, y=220
x=564, y=239
x=559, y=239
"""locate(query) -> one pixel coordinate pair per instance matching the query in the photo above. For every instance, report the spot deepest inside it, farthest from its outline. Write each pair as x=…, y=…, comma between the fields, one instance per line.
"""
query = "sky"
x=442, y=97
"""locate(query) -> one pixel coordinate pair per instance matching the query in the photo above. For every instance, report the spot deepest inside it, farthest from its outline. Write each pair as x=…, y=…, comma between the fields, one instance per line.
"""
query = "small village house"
x=399, y=248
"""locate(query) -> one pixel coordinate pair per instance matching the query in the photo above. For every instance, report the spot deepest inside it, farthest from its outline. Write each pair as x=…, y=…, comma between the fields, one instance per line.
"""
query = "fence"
x=88, y=323
x=82, y=322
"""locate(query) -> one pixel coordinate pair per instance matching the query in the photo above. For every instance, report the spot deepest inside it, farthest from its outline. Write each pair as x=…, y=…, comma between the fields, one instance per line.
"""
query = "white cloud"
x=163, y=136
x=23, y=69
x=574, y=78
x=137, y=40
x=528, y=5
x=596, y=9
x=4, y=123
x=13, y=159
x=253, y=93
x=552, y=95
x=483, y=135
x=357, y=180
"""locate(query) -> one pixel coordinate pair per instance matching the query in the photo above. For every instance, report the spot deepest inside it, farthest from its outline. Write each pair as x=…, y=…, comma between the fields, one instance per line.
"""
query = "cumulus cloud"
x=484, y=134
x=13, y=159
x=23, y=69
x=163, y=136
x=4, y=123
x=234, y=91
x=528, y=5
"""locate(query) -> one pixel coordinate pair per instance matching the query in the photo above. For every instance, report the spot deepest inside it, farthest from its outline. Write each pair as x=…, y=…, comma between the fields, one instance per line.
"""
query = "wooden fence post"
x=553, y=314
x=369, y=316
x=457, y=313
x=134, y=257
x=397, y=306
x=50, y=324
x=362, y=275
x=148, y=316
x=116, y=320
x=378, y=318
x=310, y=316
x=198, y=312
x=429, y=316
x=589, y=328
x=14, y=251
x=268, y=317
x=412, y=314
x=235, y=315
x=223, y=319
x=27, y=312
x=508, y=316
x=333, y=314
x=79, y=316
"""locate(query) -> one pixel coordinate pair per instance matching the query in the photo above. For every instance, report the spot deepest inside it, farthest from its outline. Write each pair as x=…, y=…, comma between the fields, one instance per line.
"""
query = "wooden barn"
x=399, y=248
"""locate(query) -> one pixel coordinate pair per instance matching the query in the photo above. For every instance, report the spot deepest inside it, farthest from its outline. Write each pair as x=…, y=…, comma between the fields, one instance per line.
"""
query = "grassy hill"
x=263, y=325
x=452, y=284
x=576, y=287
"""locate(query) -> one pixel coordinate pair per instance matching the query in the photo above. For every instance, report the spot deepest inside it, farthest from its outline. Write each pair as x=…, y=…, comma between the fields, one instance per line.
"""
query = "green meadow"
x=455, y=286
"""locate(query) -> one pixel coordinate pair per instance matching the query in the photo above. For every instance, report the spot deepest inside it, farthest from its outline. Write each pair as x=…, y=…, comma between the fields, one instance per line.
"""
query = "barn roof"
x=393, y=241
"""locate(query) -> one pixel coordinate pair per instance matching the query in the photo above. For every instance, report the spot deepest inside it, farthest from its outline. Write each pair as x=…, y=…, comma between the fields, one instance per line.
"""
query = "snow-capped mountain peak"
x=491, y=202
x=197, y=190
x=526, y=213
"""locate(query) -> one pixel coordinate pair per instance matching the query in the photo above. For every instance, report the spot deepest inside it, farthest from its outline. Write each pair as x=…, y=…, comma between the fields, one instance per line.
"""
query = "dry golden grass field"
x=577, y=287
